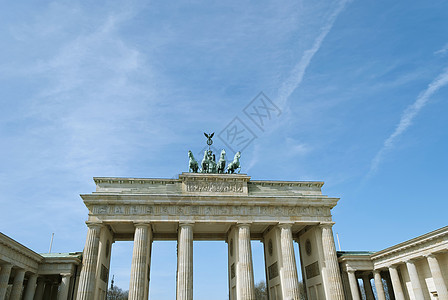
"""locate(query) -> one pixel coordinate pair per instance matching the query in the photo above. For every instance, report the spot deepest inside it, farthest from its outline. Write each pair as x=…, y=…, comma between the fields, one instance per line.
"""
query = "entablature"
x=207, y=184
x=17, y=254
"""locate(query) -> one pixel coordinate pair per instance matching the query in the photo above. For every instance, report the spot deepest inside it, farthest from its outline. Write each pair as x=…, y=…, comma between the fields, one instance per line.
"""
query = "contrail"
x=298, y=72
x=408, y=115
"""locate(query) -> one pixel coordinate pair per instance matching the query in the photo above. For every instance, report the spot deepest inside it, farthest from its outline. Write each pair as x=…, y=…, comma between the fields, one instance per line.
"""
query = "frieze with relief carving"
x=211, y=210
x=214, y=186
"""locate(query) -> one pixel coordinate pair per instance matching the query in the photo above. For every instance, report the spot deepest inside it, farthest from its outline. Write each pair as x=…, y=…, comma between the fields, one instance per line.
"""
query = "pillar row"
x=367, y=287
x=354, y=287
x=16, y=291
x=137, y=283
x=379, y=285
x=30, y=287
x=333, y=277
x=396, y=283
x=185, y=262
x=437, y=277
x=415, y=281
x=65, y=284
x=290, y=280
x=5, y=272
x=38, y=295
x=86, y=286
x=245, y=272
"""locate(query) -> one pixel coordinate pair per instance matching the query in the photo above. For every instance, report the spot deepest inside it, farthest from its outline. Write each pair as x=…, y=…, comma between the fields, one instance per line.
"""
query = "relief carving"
x=119, y=210
x=214, y=186
x=215, y=210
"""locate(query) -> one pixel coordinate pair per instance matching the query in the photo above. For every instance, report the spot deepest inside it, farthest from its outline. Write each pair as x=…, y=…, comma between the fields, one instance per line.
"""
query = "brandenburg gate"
x=214, y=206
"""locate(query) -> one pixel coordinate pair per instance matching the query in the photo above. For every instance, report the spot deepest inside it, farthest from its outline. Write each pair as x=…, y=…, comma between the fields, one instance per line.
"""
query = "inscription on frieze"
x=212, y=210
x=214, y=186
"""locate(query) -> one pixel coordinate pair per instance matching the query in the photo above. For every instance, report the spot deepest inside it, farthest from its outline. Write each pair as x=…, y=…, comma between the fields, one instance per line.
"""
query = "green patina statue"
x=208, y=163
x=205, y=163
x=222, y=162
x=235, y=164
x=192, y=164
x=211, y=162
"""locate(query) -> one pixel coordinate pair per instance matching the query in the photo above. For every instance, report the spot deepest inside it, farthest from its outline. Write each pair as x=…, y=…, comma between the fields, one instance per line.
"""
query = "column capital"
x=326, y=224
x=6, y=266
x=285, y=224
x=91, y=224
x=430, y=255
x=243, y=224
x=376, y=271
x=394, y=266
x=142, y=224
x=186, y=223
x=66, y=274
x=351, y=271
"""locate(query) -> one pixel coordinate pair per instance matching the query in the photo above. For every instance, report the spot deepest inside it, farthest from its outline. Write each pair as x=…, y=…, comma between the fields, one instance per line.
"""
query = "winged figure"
x=209, y=138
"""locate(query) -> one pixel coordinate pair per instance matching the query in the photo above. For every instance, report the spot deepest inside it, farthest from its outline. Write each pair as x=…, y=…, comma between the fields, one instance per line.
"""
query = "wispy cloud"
x=91, y=96
x=295, y=79
x=442, y=51
x=407, y=117
x=297, y=74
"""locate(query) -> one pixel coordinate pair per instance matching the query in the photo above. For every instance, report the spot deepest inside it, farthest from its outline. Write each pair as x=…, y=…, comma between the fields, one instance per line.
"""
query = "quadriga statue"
x=222, y=162
x=235, y=164
x=192, y=164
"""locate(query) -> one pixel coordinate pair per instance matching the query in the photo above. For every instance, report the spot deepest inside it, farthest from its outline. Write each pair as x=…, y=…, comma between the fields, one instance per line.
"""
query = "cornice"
x=62, y=260
x=209, y=177
x=119, y=180
x=19, y=248
x=303, y=200
x=316, y=184
x=413, y=243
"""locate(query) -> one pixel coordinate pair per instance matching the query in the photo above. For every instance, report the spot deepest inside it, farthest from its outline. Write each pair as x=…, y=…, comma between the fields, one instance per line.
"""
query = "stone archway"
x=228, y=207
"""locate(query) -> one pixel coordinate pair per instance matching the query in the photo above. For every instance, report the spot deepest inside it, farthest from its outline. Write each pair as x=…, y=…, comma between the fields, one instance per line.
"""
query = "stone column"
x=333, y=277
x=30, y=287
x=5, y=272
x=54, y=291
x=65, y=284
x=138, y=269
x=290, y=280
x=39, y=289
x=379, y=285
x=396, y=284
x=390, y=289
x=47, y=291
x=437, y=277
x=367, y=287
x=354, y=287
x=17, y=286
x=245, y=271
x=87, y=278
x=415, y=281
x=185, y=262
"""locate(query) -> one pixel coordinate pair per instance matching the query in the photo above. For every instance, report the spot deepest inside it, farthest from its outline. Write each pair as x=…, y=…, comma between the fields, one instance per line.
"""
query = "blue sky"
x=127, y=88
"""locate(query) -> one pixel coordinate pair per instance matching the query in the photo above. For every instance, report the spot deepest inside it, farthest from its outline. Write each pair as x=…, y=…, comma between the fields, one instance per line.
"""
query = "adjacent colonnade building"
x=415, y=269
x=26, y=275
